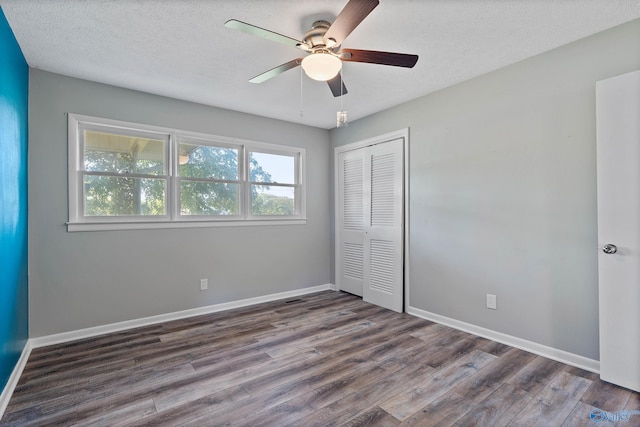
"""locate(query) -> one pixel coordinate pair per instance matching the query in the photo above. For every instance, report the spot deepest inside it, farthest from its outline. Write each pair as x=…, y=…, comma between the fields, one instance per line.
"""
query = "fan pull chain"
x=341, y=86
x=301, y=95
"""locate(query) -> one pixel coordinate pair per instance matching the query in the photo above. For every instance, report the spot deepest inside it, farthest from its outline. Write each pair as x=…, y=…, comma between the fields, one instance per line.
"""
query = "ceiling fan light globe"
x=321, y=66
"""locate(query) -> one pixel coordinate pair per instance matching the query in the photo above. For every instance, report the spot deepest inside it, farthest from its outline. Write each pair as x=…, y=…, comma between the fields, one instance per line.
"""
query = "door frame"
x=617, y=106
x=400, y=133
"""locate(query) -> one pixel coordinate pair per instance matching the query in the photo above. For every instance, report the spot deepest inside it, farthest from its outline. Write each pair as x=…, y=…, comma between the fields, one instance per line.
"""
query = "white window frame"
x=77, y=221
x=298, y=193
x=76, y=208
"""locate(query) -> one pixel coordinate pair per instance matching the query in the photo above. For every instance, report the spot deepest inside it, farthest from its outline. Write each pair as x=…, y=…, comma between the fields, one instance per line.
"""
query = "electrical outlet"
x=204, y=284
x=492, y=302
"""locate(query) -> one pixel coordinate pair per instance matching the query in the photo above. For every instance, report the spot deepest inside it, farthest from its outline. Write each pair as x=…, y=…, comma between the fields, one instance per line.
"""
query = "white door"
x=350, y=265
x=618, y=158
x=370, y=223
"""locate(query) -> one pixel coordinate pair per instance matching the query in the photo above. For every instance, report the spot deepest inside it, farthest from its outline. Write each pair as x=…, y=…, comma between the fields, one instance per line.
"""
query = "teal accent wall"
x=14, y=89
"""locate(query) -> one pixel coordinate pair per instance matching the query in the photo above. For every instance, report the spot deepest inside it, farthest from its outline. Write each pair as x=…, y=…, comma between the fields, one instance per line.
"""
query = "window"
x=124, y=175
x=209, y=180
x=272, y=183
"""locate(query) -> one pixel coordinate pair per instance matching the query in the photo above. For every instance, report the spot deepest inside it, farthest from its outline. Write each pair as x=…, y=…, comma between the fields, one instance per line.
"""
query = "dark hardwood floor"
x=318, y=360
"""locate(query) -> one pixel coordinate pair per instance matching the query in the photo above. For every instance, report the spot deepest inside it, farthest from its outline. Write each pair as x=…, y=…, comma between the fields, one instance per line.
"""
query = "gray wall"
x=503, y=192
x=85, y=279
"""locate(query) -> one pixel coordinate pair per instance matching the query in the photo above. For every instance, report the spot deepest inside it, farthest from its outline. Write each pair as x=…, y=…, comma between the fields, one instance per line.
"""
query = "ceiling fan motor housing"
x=314, y=38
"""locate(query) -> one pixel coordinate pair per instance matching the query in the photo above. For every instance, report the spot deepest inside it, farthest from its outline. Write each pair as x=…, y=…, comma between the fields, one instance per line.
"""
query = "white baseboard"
x=146, y=321
x=7, y=392
x=572, y=359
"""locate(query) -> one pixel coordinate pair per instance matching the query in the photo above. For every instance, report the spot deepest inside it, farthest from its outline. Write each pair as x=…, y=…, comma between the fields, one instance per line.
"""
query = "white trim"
x=572, y=359
x=406, y=256
x=140, y=225
x=7, y=392
x=400, y=133
x=73, y=145
x=151, y=320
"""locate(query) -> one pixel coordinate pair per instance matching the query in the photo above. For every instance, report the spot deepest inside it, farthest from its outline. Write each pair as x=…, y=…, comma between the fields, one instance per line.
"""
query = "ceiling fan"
x=323, y=45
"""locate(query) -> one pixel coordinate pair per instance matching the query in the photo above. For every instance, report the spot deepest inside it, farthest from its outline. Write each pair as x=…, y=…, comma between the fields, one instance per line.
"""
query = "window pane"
x=117, y=196
x=277, y=168
x=208, y=198
x=203, y=161
x=106, y=152
x=272, y=200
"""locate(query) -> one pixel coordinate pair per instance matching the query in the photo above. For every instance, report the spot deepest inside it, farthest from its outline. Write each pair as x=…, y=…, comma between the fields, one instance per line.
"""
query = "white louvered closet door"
x=370, y=223
x=351, y=222
x=383, y=275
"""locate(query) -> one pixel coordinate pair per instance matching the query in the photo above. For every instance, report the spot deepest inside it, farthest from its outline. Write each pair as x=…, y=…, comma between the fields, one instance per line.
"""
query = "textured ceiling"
x=180, y=48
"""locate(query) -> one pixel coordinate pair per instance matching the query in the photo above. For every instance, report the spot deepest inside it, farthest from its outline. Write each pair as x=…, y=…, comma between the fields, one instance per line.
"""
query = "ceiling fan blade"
x=266, y=34
x=277, y=70
x=337, y=86
x=376, y=57
x=347, y=20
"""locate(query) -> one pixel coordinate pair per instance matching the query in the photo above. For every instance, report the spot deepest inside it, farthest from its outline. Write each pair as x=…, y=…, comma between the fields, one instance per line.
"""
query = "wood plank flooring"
x=319, y=360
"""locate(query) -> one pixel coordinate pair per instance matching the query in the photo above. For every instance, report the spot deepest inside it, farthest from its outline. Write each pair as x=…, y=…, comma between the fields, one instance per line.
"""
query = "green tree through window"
x=114, y=196
x=122, y=195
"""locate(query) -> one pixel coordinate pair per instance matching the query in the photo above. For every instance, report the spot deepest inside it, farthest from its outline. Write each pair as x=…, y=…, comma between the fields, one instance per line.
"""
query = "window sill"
x=115, y=226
